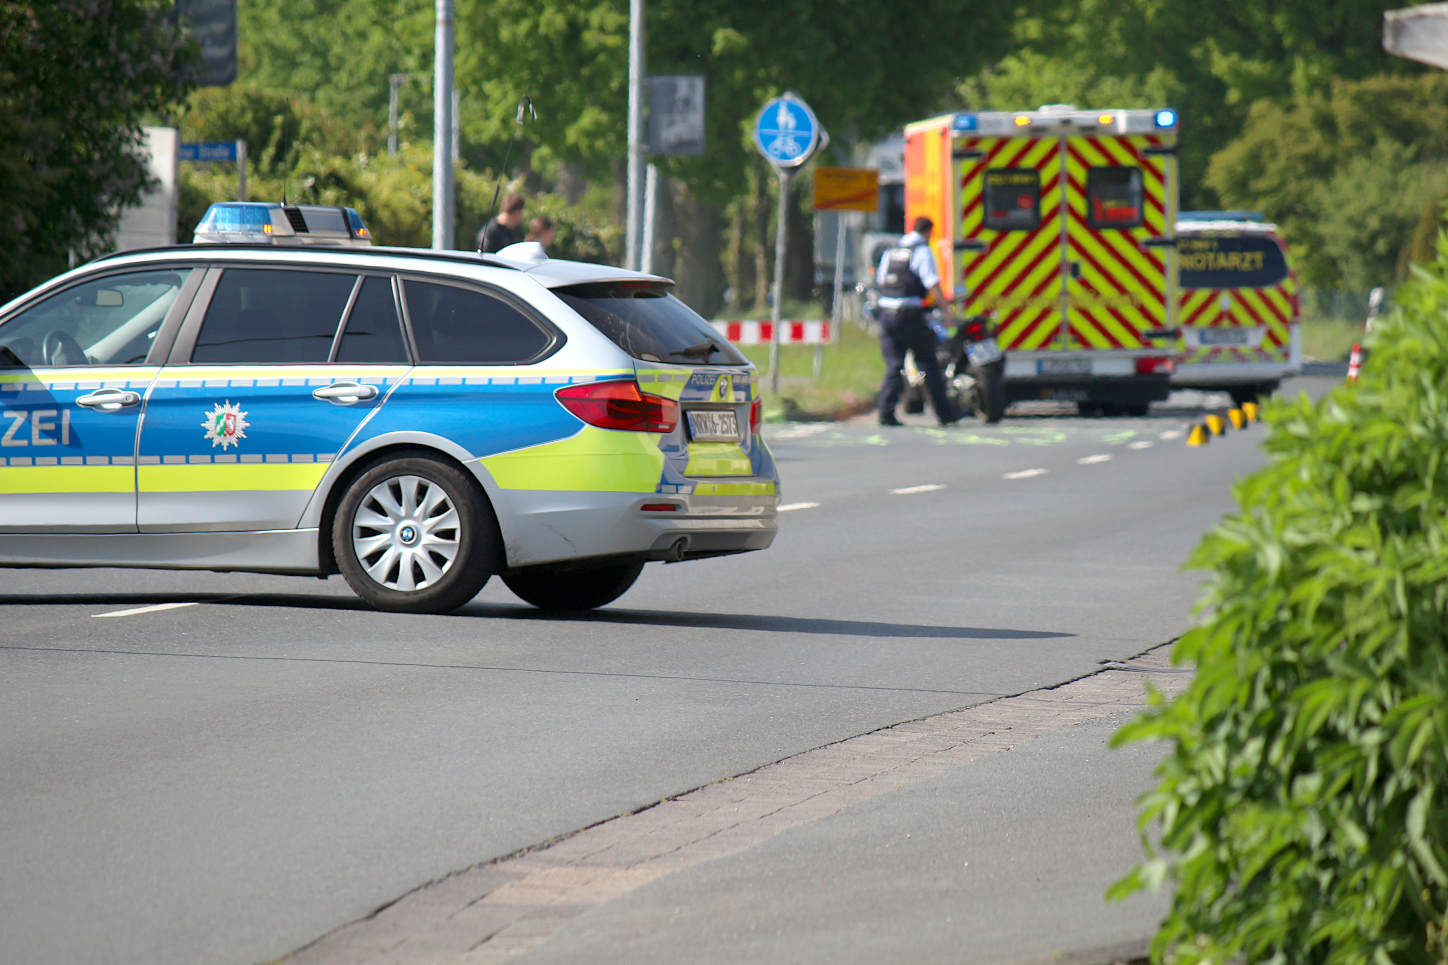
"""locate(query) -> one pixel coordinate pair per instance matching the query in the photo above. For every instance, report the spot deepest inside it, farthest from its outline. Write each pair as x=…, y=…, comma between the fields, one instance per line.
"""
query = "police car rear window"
x=1241, y=262
x=650, y=324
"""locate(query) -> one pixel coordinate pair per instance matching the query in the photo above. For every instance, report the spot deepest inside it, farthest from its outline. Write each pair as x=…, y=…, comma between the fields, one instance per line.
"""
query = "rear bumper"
x=1209, y=375
x=555, y=527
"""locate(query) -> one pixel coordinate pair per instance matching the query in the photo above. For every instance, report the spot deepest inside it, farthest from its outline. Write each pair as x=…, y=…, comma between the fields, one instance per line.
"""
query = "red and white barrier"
x=1355, y=362
x=790, y=332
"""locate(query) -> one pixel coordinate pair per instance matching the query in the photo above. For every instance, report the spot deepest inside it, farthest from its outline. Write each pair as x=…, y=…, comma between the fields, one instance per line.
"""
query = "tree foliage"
x=1214, y=69
x=77, y=79
x=1302, y=810
x=1348, y=171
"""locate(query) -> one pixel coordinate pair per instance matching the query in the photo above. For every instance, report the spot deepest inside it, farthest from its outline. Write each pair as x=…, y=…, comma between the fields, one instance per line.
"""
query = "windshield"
x=648, y=323
x=1250, y=261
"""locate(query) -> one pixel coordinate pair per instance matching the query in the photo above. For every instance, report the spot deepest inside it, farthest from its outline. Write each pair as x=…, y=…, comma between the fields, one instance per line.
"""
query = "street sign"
x=846, y=189
x=786, y=132
x=208, y=151
x=676, y=115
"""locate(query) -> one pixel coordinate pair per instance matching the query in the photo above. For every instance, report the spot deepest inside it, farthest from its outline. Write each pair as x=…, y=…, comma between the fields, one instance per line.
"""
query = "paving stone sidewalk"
x=492, y=912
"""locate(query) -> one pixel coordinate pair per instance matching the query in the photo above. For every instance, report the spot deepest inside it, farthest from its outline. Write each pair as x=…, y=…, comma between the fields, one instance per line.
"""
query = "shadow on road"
x=765, y=622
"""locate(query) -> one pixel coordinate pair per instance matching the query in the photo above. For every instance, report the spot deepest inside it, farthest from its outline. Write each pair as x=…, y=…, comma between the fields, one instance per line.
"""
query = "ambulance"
x=1058, y=224
x=1240, y=331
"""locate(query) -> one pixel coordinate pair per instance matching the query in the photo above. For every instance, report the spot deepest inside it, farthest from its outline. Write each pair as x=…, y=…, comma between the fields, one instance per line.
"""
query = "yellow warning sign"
x=846, y=189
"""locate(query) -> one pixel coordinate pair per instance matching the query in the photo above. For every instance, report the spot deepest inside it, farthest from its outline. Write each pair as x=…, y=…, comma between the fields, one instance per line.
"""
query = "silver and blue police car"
x=416, y=420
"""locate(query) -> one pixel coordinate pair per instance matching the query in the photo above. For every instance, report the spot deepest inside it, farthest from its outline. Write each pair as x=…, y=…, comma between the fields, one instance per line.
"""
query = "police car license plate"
x=1223, y=336
x=713, y=425
x=1064, y=366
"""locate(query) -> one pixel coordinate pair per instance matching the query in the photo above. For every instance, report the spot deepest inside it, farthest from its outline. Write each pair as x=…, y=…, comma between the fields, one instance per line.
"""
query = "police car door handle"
x=345, y=393
x=110, y=400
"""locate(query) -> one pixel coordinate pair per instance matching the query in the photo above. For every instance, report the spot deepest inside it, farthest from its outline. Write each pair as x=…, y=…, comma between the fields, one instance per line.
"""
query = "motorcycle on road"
x=974, y=368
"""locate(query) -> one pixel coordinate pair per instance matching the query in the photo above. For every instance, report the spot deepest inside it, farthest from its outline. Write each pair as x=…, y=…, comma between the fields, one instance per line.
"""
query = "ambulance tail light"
x=619, y=405
x=1153, y=365
x=756, y=416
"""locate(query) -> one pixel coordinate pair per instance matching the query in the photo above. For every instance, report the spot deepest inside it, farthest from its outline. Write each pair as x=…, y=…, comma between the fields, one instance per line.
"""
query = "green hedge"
x=1301, y=814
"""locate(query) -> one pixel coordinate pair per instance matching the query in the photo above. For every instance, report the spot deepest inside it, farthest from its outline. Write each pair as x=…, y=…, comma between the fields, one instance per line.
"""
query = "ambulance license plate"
x=1064, y=367
x=713, y=425
x=1223, y=336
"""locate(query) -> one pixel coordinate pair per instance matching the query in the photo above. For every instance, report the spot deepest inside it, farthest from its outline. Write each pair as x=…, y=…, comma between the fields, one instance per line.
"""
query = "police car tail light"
x=620, y=405
x=1151, y=365
x=756, y=416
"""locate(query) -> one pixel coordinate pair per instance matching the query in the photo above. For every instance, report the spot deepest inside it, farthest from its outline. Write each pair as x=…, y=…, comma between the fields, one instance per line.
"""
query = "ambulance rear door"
x=1119, y=220
x=1010, y=241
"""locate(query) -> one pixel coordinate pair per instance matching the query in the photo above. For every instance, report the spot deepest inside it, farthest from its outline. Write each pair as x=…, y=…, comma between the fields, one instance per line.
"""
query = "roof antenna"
x=525, y=107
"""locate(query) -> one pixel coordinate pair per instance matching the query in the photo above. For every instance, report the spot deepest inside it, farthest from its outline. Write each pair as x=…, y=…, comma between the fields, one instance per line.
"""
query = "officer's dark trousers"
x=902, y=332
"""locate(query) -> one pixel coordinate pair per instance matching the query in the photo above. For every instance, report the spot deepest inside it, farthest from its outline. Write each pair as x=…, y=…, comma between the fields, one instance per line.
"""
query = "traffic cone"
x=1354, y=362
x=1236, y=417
x=1250, y=410
x=1217, y=424
x=1198, y=436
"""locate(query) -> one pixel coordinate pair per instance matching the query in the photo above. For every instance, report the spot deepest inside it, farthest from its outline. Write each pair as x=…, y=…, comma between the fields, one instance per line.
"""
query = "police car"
x=416, y=420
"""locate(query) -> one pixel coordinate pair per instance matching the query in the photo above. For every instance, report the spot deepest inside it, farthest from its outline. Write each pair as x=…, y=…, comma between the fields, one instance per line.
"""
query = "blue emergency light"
x=1166, y=118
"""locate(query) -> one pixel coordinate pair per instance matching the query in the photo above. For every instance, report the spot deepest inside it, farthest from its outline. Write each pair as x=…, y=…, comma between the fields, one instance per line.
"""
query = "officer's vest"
x=898, y=280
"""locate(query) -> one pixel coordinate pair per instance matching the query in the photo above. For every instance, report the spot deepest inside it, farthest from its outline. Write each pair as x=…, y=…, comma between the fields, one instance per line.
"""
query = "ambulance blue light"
x=1166, y=118
x=965, y=122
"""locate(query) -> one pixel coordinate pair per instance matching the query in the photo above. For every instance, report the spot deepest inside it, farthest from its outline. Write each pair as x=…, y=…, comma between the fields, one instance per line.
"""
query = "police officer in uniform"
x=905, y=277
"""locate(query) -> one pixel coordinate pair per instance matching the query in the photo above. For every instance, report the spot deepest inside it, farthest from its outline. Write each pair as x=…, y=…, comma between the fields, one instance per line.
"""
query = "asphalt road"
x=226, y=779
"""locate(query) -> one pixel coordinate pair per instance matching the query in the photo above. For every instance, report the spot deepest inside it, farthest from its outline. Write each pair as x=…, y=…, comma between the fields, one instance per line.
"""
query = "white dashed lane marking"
x=912, y=490
x=790, y=507
x=1143, y=444
x=137, y=611
x=1025, y=473
x=1093, y=460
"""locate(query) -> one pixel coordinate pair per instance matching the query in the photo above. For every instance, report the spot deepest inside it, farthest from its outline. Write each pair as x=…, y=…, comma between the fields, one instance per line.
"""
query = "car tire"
x=573, y=586
x=415, y=535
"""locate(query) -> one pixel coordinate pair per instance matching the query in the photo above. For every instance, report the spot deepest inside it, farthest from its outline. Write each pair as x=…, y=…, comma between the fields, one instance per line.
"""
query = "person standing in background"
x=502, y=231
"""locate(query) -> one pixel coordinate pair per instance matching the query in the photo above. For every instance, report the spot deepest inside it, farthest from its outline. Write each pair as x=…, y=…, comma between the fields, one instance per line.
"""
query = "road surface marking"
x=1092, y=460
x=1025, y=474
x=912, y=490
x=1171, y=434
x=1143, y=444
x=143, y=609
x=789, y=507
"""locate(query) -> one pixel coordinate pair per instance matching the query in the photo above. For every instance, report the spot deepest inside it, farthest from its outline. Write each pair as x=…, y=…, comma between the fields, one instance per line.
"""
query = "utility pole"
x=442, y=129
x=635, y=181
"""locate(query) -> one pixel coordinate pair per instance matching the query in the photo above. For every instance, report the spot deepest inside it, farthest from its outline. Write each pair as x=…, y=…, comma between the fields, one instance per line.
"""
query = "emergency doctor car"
x=415, y=420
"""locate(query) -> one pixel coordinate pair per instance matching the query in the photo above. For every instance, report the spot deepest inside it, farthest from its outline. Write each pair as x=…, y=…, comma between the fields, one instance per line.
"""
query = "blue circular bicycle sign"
x=786, y=132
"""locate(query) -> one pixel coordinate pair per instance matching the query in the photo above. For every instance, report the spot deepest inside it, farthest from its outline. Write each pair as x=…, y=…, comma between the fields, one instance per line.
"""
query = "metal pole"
x=241, y=169
x=780, y=238
x=835, y=308
x=651, y=189
x=635, y=127
x=457, y=125
x=394, y=81
x=442, y=169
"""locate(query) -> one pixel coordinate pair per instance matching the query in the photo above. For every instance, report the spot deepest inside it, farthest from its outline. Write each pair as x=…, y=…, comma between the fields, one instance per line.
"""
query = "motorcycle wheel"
x=990, y=392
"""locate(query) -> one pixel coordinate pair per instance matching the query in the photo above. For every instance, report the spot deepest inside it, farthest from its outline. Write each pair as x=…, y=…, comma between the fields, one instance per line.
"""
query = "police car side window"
x=112, y=320
x=273, y=315
x=373, y=331
x=469, y=327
